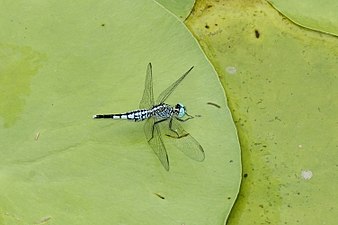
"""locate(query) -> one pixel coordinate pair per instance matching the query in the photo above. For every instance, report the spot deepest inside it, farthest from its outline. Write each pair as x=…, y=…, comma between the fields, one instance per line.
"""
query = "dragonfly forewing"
x=147, y=100
x=166, y=93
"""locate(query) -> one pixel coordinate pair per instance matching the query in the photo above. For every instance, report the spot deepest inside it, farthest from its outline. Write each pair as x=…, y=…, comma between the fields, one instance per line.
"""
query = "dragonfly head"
x=180, y=110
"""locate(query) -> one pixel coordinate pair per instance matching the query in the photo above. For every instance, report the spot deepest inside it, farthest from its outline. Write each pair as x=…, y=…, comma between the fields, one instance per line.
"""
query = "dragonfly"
x=162, y=118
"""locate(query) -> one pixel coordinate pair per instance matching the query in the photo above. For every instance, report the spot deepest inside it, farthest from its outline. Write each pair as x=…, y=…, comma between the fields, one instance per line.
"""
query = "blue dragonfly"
x=162, y=118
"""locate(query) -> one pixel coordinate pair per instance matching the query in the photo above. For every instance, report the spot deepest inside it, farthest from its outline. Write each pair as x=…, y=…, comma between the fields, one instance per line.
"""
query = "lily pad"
x=316, y=15
x=60, y=63
x=281, y=83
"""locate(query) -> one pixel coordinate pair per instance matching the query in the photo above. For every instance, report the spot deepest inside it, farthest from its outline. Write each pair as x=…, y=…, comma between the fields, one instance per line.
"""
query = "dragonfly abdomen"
x=136, y=115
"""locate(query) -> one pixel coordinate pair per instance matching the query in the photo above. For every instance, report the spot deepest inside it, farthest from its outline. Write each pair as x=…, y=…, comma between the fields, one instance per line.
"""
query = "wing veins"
x=155, y=141
x=186, y=143
x=147, y=100
x=166, y=93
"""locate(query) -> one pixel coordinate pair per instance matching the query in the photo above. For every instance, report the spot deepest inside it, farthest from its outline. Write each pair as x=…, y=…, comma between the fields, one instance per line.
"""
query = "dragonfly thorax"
x=165, y=111
x=162, y=111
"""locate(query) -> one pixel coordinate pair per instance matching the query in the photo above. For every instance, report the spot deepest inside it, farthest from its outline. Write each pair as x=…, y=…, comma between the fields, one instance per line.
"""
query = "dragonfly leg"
x=153, y=128
x=183, y=120
x=177, y=134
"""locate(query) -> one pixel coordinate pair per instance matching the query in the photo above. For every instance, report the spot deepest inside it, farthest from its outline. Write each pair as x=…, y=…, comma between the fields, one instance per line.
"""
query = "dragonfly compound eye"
x=181, y=110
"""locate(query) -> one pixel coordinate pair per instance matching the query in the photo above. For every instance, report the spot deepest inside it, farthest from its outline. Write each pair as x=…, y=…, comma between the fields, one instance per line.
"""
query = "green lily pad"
x=317, y=15
x=281, y=83
x=60, y=63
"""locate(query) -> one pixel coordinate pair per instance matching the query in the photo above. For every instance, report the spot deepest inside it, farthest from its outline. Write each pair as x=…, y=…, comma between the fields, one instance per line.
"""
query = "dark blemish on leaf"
x=245, y=175
x=102, y=25
x=276, y=118
x=207, y=26
x=214, y=104
x=257, y=34
x=159, y=195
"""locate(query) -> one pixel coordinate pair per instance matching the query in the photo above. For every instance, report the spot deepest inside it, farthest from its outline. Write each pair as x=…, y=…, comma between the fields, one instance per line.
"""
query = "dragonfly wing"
x=184, y=142
x=153, y=135
x=147, y=100
x=165, y=94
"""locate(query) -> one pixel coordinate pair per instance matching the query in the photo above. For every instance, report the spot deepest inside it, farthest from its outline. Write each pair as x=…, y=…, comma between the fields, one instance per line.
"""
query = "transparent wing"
x=147, y=100
x=165, y=94
x=153, y=135
x=184, y=142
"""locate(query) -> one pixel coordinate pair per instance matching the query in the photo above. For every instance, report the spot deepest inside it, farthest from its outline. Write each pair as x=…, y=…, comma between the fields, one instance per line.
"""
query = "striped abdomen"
x=137, y=115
